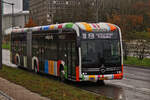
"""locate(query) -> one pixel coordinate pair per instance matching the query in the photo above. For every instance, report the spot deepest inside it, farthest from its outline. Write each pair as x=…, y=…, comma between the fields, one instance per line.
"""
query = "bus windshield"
x=101, y=51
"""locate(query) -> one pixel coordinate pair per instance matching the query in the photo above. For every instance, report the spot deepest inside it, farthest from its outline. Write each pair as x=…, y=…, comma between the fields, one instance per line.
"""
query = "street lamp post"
x=13, y=22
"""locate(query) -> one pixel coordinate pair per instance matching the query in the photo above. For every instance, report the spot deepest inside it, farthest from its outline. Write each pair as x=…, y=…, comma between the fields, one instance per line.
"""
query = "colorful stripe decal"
x=102, y=77
x=92, y=77
x=60, y=26
x=112, y=76
x=51, y=67
x=69, y=25
x=46, y=66
x=77, y=73
x=118, y=76
x=52, y=27
x=87, y=27
x=112, y=27
x=58, y=67
x=104, y=27
x=65, y=69
x=45, y=28
x=98, y=26
x=94, y=26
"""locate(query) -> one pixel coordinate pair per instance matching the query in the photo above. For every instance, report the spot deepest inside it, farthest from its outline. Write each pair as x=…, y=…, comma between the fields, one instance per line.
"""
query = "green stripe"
x=83, y=78
x=69, y=25
x=65, y=69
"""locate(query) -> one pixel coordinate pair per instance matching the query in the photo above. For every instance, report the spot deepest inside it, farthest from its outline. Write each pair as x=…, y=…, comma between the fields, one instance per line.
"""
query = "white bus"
x=74, y=51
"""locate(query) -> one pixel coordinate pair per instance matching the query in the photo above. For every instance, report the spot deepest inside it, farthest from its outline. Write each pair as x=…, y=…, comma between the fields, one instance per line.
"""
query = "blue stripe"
x=112, y=76
x=46, y=66
x=45, y=28
x=108, y=28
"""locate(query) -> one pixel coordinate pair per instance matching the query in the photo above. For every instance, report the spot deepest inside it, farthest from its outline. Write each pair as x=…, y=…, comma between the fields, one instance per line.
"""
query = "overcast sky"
x=17, y=6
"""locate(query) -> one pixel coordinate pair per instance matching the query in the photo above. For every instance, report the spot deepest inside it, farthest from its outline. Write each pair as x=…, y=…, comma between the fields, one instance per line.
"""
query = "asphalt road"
x=134, y=86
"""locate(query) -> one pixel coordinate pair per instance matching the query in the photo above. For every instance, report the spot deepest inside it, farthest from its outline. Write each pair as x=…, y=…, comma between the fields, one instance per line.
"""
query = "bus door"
x=70, y=59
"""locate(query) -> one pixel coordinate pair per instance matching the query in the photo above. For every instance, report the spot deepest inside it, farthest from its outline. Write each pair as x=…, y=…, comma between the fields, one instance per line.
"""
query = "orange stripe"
x=91, y=76
x=77, y=73
x=112, y=27
x=87, y=27
x=51, y=67
x=118, y=76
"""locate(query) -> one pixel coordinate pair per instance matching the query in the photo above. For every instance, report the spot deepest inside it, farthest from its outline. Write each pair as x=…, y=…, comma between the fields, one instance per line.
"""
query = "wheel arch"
x=35, y=61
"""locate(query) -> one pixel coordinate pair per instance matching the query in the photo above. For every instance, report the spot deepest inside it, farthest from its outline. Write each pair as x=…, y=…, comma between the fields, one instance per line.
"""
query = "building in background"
x=21, y=18
x=44, y=11
x=57, y=11
x=25, y=5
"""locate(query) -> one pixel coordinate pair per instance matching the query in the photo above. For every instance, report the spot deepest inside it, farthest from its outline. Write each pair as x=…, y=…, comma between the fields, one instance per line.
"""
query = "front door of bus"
x=70, y=59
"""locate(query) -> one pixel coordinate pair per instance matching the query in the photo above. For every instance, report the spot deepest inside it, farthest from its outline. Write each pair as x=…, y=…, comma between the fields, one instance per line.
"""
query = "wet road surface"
x=134, y=86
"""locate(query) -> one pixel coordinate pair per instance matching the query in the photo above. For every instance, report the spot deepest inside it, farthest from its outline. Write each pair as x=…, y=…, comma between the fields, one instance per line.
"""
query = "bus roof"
x=89, y=27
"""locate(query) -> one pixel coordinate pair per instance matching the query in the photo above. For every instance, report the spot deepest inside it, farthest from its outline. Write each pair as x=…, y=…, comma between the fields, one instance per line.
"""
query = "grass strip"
x=47, y=87
x=136, y=62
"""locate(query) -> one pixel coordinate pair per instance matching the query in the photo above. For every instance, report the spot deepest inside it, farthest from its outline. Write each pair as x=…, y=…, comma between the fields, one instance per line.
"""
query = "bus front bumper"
x=101, y=77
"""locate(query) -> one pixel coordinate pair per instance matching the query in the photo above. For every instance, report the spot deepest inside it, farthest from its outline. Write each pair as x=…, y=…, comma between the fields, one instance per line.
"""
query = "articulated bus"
x=73, y=51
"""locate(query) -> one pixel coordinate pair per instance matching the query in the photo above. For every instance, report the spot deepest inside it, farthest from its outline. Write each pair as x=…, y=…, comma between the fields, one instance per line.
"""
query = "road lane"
x=134, y=86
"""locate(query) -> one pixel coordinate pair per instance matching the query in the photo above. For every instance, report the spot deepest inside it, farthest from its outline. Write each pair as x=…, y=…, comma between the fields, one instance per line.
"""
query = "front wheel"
x=62, y=75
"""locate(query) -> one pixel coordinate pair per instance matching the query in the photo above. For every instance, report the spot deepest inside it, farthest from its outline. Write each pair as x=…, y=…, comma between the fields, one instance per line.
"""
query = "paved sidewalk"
x=3, y=96
x=17, y=92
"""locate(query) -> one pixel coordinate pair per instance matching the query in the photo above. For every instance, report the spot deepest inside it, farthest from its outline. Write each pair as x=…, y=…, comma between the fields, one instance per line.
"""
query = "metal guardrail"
x=3, y=96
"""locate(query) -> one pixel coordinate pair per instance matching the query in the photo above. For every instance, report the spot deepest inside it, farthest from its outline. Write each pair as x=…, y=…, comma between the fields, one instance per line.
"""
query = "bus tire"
x=62, y=74
x=100, y=82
